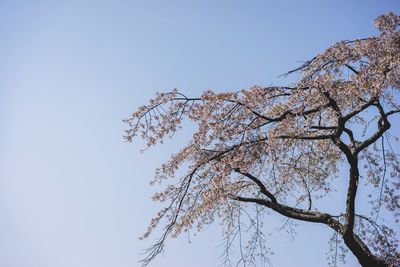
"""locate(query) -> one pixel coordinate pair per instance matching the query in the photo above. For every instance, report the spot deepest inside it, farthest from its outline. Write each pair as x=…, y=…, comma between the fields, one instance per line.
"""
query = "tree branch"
x=262, y=187
x=296, y=213
x=383, y=126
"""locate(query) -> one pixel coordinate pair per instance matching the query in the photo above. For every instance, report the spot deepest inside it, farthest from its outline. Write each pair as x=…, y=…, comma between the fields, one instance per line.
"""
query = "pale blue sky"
x=71, y=192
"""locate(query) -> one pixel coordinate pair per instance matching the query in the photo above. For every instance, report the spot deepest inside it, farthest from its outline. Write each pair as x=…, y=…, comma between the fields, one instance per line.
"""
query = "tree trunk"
x=362, y=253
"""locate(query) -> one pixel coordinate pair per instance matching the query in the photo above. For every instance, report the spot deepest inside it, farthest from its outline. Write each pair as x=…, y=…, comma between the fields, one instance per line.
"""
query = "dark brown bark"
x=364, y=256
x=352, y=241
x=362, y=253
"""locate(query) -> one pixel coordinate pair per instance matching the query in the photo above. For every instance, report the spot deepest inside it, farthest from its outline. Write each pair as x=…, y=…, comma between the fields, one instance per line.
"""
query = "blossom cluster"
x=292, y=138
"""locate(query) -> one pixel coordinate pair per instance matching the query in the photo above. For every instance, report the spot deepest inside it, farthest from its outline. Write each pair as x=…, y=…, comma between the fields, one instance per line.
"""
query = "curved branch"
x=383, y=126
x=262, y=187
x=296, y=213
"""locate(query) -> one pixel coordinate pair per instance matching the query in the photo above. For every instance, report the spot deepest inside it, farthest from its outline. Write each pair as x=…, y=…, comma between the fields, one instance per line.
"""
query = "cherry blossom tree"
x=281, y=149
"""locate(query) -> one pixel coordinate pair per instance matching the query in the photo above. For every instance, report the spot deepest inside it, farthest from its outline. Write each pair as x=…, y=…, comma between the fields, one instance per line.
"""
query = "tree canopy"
x=280, y=148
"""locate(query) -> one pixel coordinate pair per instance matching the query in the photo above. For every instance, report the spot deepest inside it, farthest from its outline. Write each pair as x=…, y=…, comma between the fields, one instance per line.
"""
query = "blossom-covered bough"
x=282, y=149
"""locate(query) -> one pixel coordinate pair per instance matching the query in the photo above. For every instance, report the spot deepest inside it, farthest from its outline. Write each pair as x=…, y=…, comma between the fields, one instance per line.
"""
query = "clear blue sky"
x=71, y=192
